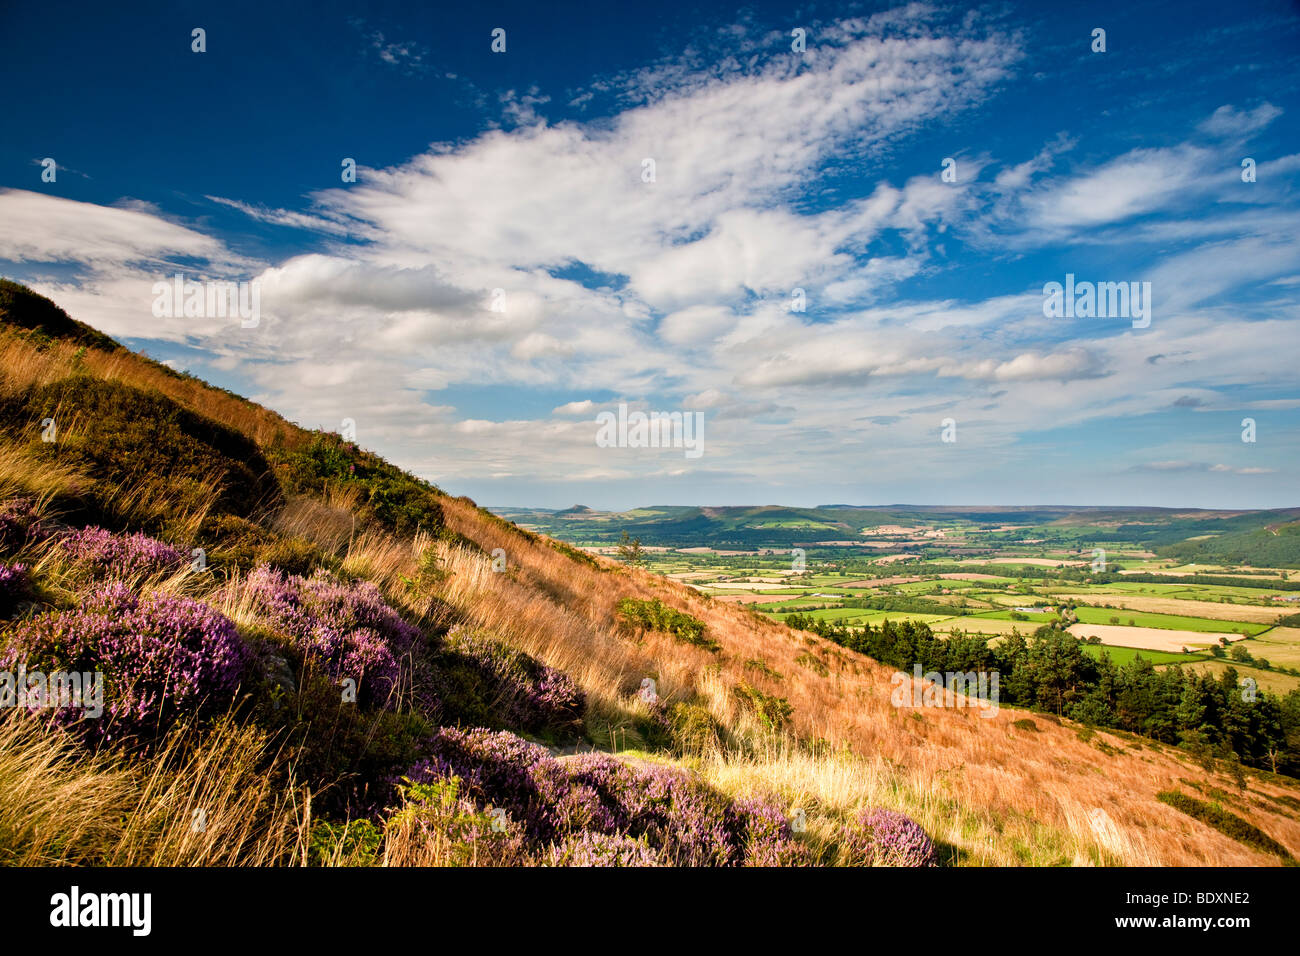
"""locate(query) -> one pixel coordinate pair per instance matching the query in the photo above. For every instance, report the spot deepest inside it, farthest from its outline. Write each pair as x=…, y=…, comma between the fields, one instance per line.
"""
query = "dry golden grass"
x=200, y=801
x=23, y=365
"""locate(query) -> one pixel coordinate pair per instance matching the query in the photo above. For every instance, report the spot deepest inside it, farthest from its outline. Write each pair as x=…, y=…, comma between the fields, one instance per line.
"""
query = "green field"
x=1123, y=655
x=1172, y=622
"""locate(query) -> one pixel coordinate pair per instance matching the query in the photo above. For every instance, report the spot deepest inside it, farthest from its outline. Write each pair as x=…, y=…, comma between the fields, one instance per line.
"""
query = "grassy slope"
x=989, y=791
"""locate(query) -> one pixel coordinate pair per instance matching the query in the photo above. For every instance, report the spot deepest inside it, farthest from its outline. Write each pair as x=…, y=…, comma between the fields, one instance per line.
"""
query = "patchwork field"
x=982, y=575
x=1152, y=638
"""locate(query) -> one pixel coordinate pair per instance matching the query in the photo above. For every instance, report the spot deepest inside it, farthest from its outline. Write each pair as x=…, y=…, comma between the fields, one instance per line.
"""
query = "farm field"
x=976, y=575
x=1123, y=655
x=1141, y=619
x=1266, y=614
x=1151, y=638
x=1266, y=680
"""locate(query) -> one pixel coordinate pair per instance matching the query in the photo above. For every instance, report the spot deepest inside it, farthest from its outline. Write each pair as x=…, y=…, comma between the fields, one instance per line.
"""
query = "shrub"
x=352, y=758
x=483, y=681
x=19, y=525
x=576, y=554
x=763, y=830
x=356, y=843
x=814, y=664
x=656, y=616
x=161, y=657
x=774, y=712
x=1229, y=824
x=390, y=497
x=124, y=435
x=694, y=728
x=601, y=849
x=15, y=586
x=440, y=826
x=887, y=838
x=241, y=544
x=589, y=806
x=100, y=554
x=495, y=767
x=347, y=627
x=29, y=310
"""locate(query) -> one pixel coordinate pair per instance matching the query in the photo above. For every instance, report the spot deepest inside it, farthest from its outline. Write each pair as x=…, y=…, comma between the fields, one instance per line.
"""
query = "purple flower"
x=460, y=832
x=19, y=524
x=528, y=695
x=161, y=657
x=888, y=838
x=601, y=849
x=593, y=804
x=15, y=585
x=348, y=627
x=105, y=554
x=762, y=828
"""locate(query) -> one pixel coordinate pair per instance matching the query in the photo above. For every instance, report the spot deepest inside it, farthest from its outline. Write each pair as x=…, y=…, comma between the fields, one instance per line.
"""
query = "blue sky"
x=775, y=169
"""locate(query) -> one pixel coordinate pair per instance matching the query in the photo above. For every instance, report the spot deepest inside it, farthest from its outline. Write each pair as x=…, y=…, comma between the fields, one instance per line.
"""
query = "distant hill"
x=1264, y=538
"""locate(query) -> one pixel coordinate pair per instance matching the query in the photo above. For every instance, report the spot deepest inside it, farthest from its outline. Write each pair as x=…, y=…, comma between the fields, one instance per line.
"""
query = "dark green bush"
x=1229, y=824
x=389, y=496
x=26, y=309
x=120, y=435
x=774, y=712
x=239, y=544
x=654, y=615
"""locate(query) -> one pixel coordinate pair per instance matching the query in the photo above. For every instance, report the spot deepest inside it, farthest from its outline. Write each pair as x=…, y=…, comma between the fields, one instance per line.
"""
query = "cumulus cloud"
x=541, y=255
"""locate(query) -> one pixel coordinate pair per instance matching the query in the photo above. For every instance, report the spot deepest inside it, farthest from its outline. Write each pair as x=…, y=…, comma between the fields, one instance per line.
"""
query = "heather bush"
x=346, y=627
x=436, y=825
x=19, y=525
x=482, y=681
x=887, y=838
x=608, y=802
x=352, y=758
x=497, y=768
x=15, y=586
x=162, y=657
x=762, y=830
x=600, y=849
x=100, y=554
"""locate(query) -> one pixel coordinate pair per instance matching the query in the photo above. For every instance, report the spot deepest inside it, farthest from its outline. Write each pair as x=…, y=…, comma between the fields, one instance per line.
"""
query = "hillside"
x=505, y=697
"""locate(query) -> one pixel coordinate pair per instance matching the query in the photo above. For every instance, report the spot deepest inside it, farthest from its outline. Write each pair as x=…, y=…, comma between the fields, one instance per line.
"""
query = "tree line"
x=1213, y=718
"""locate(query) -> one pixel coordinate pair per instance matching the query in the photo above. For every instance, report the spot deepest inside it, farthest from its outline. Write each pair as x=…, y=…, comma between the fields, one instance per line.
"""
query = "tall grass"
x=202, y=799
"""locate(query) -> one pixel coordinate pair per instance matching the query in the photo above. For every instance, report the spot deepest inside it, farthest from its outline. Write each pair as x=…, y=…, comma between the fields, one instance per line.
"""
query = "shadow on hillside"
x=950, y=854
